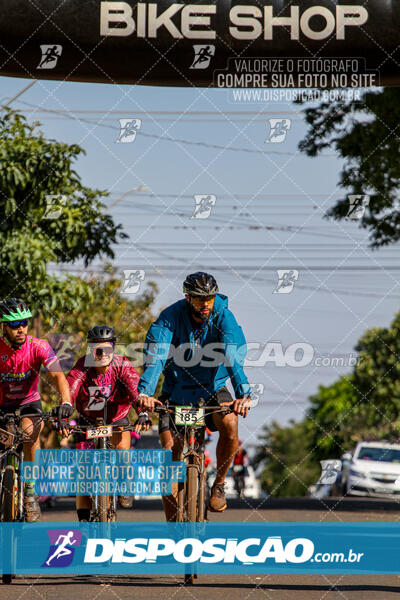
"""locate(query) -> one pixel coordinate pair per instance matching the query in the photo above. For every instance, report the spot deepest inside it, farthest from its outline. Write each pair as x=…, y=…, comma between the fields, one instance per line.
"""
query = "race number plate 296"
x=6, y=438
x=189, y=415
x=97, y=432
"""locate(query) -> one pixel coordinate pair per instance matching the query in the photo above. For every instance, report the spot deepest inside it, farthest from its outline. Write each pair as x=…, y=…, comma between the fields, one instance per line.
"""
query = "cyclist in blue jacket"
x=197, y=344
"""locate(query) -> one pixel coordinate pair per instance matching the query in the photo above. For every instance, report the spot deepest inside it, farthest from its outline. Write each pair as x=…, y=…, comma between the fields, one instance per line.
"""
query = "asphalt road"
x=234, y=587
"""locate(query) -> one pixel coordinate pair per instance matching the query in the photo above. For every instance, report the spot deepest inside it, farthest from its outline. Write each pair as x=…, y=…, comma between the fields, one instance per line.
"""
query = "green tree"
x=377, y=379
x=34, y=168
x=364, y=404
x=288, y=465
x=130, y=318
x=366, y=136
x=332, y=417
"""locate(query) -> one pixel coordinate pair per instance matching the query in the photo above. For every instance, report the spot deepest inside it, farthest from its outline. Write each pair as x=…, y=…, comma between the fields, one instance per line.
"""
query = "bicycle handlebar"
x=171, y=408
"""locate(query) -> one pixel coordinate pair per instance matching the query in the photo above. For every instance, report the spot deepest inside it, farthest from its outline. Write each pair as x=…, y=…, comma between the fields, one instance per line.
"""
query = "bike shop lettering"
x=189, y=550
x=247, y=22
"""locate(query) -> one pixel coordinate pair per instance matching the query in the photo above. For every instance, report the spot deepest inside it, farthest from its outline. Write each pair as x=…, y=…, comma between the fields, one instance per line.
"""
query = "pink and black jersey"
x=19, y=370
x=91, y=390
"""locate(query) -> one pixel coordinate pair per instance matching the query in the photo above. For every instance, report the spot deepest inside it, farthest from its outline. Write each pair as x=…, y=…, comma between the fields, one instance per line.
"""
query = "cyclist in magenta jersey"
x=21, y=357
x=103, y=384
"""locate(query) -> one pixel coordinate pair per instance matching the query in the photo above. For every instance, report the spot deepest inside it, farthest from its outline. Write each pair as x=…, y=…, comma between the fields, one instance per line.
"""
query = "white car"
x=374, y=470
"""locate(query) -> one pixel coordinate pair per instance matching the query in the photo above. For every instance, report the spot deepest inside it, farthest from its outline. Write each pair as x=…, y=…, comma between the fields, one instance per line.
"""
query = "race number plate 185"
x=6, y=438
x=97, y=432
x=189, y=415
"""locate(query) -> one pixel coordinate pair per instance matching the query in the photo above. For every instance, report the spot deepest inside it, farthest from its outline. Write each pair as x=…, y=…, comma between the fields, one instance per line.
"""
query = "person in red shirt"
x=103, y=384
x=240, y=460
x=240, y=457
x=21, y=358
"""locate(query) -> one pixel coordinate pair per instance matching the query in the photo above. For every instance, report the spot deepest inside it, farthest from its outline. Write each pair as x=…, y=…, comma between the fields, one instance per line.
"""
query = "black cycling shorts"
x=166, y=420
x=27, y=409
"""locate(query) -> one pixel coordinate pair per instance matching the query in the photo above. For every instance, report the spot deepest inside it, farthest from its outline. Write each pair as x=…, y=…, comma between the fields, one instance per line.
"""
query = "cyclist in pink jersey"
x=21, y=358
x=103, y=384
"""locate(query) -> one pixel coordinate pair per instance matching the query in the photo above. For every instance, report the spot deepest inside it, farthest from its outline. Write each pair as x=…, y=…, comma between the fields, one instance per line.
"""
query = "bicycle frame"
x=12, y=489
x=13, y=455
x=191, y=500
x=104, y=508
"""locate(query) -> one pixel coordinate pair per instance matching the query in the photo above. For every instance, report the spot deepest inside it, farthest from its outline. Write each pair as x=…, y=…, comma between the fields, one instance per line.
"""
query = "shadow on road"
x=141, y=581
x=331, y=504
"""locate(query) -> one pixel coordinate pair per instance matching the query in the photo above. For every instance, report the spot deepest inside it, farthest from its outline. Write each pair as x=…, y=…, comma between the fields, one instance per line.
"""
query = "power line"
x=258, y=268
x=162, y=112
x=24, y=89
x=167, y=138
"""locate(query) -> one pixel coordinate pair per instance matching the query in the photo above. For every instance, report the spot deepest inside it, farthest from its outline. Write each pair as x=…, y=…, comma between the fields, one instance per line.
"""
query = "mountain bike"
x=189, y=422
x=12, y=438
x=103, y=507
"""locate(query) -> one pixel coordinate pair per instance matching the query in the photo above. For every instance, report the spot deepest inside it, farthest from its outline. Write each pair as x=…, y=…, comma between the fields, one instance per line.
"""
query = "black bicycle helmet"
x=13, y=309
x=200, y=284
x=101, y=333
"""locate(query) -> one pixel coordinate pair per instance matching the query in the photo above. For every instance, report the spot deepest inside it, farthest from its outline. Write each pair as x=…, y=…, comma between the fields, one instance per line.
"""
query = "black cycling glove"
x=63, y=411
x=144, y=419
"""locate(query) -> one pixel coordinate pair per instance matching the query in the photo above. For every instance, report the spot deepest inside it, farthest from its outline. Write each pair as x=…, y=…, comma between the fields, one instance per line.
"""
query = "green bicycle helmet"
x=13, y=309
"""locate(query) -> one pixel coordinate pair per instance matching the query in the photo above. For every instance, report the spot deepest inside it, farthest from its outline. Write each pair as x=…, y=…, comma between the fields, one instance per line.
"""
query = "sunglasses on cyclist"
x=17, y=324
x=99, y=352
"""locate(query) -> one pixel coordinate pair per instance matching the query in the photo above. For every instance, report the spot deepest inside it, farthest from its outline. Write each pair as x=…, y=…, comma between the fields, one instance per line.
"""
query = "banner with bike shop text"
x=268, y=43
x=178, y=548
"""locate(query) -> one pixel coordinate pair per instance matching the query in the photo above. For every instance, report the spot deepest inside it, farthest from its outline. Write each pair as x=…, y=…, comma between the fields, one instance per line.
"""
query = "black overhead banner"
x=238, y=43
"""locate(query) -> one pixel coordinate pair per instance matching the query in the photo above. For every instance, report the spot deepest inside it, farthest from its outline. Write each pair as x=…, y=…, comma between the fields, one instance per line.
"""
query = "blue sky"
x=218, y=147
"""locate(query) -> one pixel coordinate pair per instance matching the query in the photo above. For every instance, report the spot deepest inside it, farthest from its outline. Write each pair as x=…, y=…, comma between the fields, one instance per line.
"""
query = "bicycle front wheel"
x=191, y=493
x=9, y=503
x=9, y=495
x=103, y=509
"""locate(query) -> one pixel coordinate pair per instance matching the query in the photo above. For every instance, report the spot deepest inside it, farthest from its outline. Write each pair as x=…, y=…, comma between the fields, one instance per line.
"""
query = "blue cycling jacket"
x=195, y=364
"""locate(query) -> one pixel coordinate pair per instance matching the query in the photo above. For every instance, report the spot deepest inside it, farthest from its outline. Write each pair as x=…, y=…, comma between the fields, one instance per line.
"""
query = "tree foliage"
x=33, y=169
x=362, y=405
x=366, y=136
x=331, y=418
x=288, y=465
x=130, y=318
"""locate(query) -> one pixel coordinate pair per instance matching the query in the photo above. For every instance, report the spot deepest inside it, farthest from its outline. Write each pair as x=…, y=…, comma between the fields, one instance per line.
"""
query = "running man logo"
x=66, y=347
x=202, y=56
x=61, y=552
x=286, y=281
x=54, y=206
x=50, y=55
x=98, y=397
x=203, y=206
x=357, y=205
x=330, y=471
x=278, y=130
x=132, y=282
x=128, y=130
x=257, y=390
